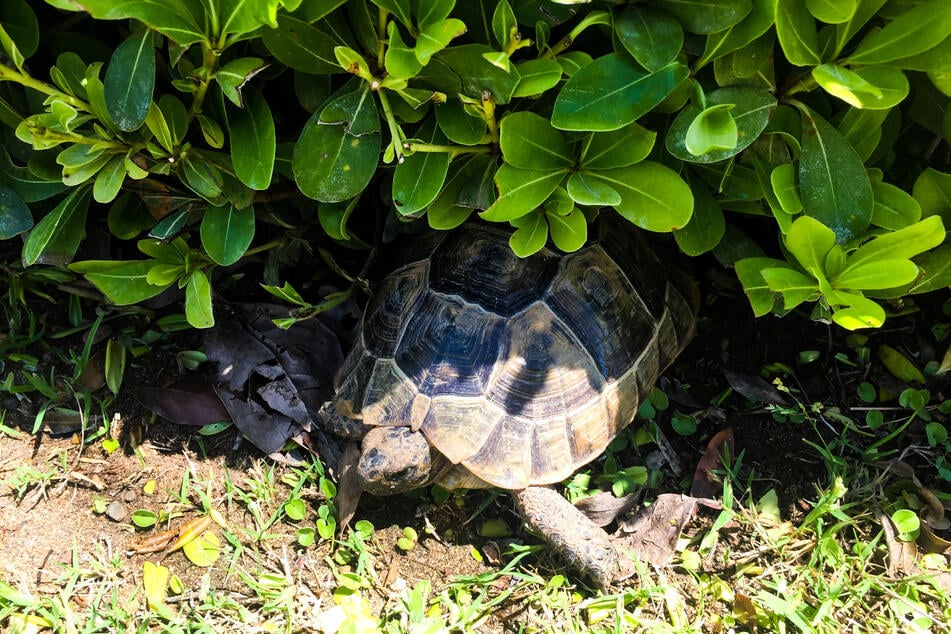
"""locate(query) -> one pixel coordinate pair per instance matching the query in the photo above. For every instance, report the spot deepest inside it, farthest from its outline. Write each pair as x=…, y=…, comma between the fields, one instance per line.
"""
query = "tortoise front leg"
x=586, y=546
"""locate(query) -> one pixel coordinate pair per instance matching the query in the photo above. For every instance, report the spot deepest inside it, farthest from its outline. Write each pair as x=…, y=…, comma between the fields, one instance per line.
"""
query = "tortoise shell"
x=518, y=371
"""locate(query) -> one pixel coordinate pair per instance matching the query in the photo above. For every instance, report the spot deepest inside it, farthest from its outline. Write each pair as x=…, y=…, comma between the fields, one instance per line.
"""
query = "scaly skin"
x=586, y=546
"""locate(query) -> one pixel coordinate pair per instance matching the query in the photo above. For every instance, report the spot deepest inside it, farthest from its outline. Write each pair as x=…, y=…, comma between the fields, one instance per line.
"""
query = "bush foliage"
x=803, y=142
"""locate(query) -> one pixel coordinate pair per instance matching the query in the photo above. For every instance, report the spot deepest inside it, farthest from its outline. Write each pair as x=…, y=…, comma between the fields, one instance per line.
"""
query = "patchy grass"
x=804, y=540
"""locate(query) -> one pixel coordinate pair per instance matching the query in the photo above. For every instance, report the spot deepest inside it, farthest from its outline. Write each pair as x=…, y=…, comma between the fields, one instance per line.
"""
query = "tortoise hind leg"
x=586, y=546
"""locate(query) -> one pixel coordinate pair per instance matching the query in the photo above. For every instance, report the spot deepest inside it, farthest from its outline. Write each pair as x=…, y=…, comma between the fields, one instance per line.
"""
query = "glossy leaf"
x=435, y=37
x=706, y=227
x=475, y=75
x=15, y=216
x=253, y=141
x=529, y=141
x=419, y=178
x=904, y=243
x=56, y=237
x=712, y=130
x=795, y=287
x=401, y=10
x=755, y=24
x=400, y=59
x=620, y=148
x=751, y=112
x=232, y=77
x=531, y=234
x=226, y=233
x=834, y=185
x=124, y=282
x=654, y=38
x=521, y=191
x=586, y=190
x=611, y=92
x=706, y=16
x=935, y=267
x=638, y=186
x=894, y=207
x=172, y=18
x=458, y=125
x=832, y=11
x=129, y=82
x=447, y=210
x=301, y=46
x=783, y=183
x=853, y=311
x=862, y=129
x=339, y=148
x=796, y=30
x=569, y=232
x=28, y=185
x=885, y=273
x=914, y=31
x=536, y=76
x=198, y=310
x=749, y=271
x=19, y=23
x=504, y=24
x=810, y=241
x=109, y=180
x=932, y=190
x=872, y=87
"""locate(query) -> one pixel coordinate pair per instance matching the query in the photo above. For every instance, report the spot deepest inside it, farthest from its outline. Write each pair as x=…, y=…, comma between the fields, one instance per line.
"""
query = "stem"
x=209, y=64
x=9, y=74
x=452, y=150
x=488, y=107
x=381, y=38
x=395, y=133
x=804, y=83
x=267, y=246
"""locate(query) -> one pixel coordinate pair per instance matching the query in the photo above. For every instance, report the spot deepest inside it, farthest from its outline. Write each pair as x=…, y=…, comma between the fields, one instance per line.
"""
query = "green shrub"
x=211, y=129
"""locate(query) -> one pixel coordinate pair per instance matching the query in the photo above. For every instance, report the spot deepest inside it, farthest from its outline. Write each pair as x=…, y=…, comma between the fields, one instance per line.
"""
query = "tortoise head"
x=395, y=459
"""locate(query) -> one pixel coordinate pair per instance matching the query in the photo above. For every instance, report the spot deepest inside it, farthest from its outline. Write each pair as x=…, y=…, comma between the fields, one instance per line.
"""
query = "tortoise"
x=476, y=368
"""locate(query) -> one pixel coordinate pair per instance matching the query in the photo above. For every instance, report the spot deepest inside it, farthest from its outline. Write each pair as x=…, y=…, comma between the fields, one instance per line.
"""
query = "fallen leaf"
x=652, y=533
x=603, y=508
x=189, y=400
x=706, y=484
x=755, y=388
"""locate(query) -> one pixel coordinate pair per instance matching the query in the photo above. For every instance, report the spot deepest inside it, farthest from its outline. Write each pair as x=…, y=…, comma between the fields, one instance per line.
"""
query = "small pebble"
x=117, y=511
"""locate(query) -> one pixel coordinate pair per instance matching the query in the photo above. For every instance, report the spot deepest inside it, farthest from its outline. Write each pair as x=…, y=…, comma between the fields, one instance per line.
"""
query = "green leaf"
x=751, y=112
x=862, y=129
x=129, y=81
x=713, y=129
x=232, y=77
x=894, y=207
x=115, y=365
x=19, y=22
x=447, y=211
x=475, y=75
x=749, y=271
x=28, y=184
x=653, y=196
x=810, y=241
x=569, y=232
x=783, y=182
x=226, y=233
x=853, y=311
x=109, y=180
x=537, y=76
x=834, y=185
x=832, y=11
x=504, y=24
x=706, y=16
x=935, y=267
x=654, y=38
x=914, y=31
x=172, y=18
x=755, y=24
x=619, y=148
x=198, y=309
x=9, y=47
x=204, y=550
x=418, y=179
x=15, y=216
x=401, y=10
x=586, y=190
x=339, y=148
x=56, y=237
x=432, y=11
x=932, y=190
x=201, y=176
x=253, y=141
x=302, y=46
x=435, y=37
x=123, y=282
x=611, y=92
x=796, y=30
x=529, y=141
x=458, y=125
x=531, y=235
x=521, y=191
x=872, y=87
x=706, y=227
x=400, y=60
x=886, y=273
x=795, y=287
x=903, y=244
